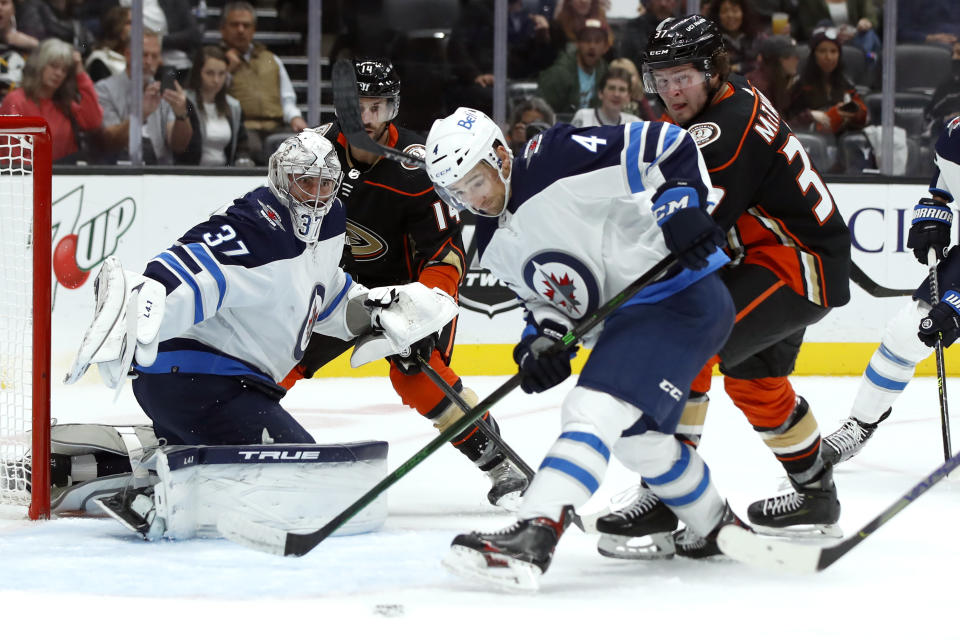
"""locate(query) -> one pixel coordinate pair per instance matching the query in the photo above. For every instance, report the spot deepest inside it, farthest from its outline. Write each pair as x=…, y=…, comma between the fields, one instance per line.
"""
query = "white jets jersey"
x=946, y=181
x=579, y=226
x=244, y=293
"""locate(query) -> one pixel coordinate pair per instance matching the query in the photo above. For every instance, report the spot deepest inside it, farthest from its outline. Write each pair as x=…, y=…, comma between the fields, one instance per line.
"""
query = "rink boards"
x=134, y=217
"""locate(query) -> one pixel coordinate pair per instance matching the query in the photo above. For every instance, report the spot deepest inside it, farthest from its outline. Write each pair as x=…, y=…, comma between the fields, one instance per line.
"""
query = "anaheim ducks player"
x=398, y=231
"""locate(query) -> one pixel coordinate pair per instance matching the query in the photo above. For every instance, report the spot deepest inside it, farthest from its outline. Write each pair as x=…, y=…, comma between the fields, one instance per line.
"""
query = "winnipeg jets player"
x=220, y=317
x=892, y=365
x=570, y=223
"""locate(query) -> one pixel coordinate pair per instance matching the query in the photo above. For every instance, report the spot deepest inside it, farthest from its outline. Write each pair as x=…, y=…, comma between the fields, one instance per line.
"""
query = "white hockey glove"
x=126, y=323
x=400, y=316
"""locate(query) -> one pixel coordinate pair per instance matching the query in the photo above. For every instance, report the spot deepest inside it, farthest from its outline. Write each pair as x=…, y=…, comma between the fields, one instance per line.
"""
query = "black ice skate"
x=691, y=545
x=846, y=442
x=513, y=558
x=134, y=509
x=810, y=509
x=509, y=483
x=643, y=530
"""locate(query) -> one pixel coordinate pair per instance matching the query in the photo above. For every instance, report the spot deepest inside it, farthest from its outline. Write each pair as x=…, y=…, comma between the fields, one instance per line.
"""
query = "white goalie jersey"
x=244, y=293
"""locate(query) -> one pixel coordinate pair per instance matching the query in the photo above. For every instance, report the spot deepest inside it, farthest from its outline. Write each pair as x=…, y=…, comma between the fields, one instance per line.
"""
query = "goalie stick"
x=346, y=102
x=482, y=424
x=288, y=543
x=781, y=555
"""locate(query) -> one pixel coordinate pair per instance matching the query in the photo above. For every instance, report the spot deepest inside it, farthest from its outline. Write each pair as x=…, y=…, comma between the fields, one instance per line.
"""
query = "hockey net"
x=25, y=176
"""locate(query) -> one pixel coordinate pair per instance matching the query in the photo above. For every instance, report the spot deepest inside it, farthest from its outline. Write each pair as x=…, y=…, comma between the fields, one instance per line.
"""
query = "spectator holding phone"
x=166, y=124
x=57, y=89
x=219, y=137
x=824, y=99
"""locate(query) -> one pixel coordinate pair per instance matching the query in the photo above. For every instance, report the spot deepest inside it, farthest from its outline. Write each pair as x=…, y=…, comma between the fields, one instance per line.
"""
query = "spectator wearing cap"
x=823, y=98
x=614, y=96
x=258, y=81
x=573, y=81
x=776, y=70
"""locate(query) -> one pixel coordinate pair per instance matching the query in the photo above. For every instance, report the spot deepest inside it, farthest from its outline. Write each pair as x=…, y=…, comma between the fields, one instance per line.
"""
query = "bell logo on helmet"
x=468, y=120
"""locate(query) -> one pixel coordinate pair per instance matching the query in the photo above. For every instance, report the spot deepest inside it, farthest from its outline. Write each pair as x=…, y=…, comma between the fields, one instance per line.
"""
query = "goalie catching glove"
x=403, y=317
x=128, y=311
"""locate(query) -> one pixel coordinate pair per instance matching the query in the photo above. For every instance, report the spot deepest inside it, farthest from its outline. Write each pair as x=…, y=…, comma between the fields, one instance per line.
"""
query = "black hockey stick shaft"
x=485, y=427
x=298, y=544
x=829, y=555
x=866, y=283
x=932, y=260
x=346, y=101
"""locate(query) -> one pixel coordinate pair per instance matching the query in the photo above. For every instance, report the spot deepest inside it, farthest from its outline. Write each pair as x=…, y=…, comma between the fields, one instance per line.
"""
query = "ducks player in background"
x=400, y=231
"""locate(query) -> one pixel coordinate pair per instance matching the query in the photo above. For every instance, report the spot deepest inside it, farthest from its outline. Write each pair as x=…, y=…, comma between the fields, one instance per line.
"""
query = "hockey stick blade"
x=298, y=544
x=346, y=101
x=782, y=555
x=867, y=284
x=253, y=535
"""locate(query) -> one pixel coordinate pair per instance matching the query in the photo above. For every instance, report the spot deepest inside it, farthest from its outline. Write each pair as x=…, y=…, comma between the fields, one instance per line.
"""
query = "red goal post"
x=25, y=305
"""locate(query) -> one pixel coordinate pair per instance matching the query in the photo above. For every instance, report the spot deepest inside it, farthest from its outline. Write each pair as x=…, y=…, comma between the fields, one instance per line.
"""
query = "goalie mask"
x=304, y=174
x=458, y=143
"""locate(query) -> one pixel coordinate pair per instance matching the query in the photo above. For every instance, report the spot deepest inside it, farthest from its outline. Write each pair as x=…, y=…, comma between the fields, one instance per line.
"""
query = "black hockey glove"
x=541, y=372
x=689, y=231
x=930, y=229
x=409, y=363
x=942, y=319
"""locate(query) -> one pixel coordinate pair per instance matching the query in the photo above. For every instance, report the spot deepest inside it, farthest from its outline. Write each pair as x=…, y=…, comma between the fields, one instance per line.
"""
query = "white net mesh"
x=16, y=316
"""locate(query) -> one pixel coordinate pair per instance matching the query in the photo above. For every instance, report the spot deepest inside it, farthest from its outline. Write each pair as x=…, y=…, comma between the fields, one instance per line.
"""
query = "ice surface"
x=90, y=578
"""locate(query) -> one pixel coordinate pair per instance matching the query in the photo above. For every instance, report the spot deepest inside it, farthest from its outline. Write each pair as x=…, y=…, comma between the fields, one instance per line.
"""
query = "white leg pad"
x=293, y=487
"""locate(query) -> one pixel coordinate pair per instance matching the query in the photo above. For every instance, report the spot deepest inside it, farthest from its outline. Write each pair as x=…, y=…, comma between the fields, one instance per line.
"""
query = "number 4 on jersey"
x=590, y=143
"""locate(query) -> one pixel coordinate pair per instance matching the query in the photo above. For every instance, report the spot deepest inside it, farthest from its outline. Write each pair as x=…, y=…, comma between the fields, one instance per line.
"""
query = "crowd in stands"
x=229, y=102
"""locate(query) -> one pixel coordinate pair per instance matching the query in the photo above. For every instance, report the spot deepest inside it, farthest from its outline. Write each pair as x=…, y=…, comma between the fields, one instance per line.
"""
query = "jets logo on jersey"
x=704, y=133
x=364, y=243
x=306, y=329
x=416, y=150
x=532, y=147
x=564, y=281
x=270, y=215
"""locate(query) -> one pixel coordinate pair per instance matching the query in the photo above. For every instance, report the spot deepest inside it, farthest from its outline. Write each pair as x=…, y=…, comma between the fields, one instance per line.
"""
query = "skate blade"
x=801, y=531
x=656, y=546
x=503, y=572
x=116, y=516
